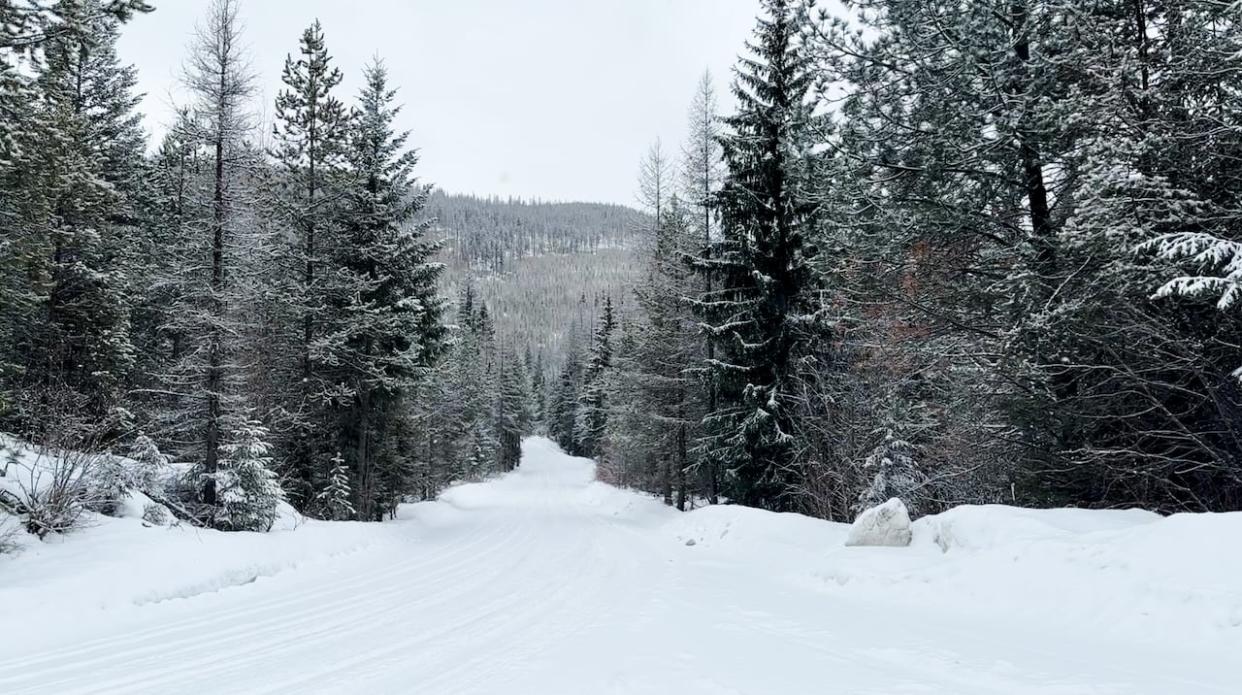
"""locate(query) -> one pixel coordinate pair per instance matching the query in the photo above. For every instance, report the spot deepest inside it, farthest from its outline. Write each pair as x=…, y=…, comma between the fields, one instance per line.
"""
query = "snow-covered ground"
x=548, y=582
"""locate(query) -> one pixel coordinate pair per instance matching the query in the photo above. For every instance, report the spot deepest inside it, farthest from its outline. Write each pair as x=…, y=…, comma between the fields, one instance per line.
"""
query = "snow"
x=547, y=581
x=885, y=524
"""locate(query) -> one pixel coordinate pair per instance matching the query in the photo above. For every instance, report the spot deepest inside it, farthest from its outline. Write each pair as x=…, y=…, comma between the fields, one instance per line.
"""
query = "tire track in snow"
x=163, y=639
x=165, y=656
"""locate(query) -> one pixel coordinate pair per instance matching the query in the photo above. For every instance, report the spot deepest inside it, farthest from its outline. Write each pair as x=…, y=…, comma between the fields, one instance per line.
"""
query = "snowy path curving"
x=547, y=582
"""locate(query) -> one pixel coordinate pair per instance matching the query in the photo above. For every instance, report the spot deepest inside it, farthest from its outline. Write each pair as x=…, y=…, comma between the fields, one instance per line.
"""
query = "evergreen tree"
x=563, y=405
x=152, y=463
x=657, y=375
x=461, y=412
x=205, y=378
x=389, y=330
x=247, y=489
x=512, y=411
x=760, y=316
x=310, y=134
x=83, y=163
x=591, y=414
x=538, y=390
x=333, y=501
x=894, y=471
x=17, y=296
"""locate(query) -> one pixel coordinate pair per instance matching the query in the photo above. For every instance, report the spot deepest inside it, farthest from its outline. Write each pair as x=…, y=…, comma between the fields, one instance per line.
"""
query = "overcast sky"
x=555, y=99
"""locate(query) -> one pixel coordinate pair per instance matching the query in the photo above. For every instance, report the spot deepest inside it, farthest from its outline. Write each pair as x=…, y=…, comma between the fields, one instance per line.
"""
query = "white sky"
x=555, y=99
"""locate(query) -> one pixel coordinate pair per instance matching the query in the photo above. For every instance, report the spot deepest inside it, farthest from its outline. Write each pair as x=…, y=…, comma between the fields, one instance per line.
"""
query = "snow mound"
x=887, y=524
x=733, y=528
x=982, y=527
x=1129, y=573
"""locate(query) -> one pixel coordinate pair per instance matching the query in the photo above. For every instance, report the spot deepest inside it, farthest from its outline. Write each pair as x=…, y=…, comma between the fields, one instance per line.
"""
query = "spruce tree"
x=333, y=501
x=83, y=163
x=760, y=314
x=389, y=330
x=563, y=404
x=310, y=134
x=512, y=411
x=248, y=493
x=591, y=414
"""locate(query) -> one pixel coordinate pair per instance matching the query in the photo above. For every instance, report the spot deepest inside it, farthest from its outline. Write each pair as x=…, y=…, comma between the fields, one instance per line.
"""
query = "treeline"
x=491, y=234
x=268, y=317
x=948, y=252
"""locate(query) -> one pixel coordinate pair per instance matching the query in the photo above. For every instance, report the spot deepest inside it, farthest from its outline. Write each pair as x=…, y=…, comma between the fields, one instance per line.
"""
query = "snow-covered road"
x=545, y=582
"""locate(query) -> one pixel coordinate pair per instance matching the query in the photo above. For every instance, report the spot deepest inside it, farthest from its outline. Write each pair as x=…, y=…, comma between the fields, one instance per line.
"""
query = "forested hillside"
x=542, y=268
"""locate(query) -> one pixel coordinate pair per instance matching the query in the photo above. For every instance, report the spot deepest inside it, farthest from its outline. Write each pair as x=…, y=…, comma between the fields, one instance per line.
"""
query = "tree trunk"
x=215, y=369
x=681, y=467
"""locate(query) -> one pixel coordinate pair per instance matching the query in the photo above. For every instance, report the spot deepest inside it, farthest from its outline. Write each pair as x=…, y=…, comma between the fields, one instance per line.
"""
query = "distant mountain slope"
x=541, y=267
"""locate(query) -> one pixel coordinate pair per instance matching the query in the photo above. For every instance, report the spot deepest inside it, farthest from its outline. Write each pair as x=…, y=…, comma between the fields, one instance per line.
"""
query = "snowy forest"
x=947, y=252
x=563, y=347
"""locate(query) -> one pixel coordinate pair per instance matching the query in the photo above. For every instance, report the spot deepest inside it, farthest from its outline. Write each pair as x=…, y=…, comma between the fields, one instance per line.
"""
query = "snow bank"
x=886, y=524
x=1130, y=573
x=972, y=527
x=735, y=529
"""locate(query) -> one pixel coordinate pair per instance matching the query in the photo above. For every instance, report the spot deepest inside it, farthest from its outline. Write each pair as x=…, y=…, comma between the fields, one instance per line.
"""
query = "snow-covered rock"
x=887, y=524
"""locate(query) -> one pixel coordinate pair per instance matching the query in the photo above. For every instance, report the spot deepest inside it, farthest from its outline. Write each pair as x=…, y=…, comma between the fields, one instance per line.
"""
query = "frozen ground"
x=546, y=582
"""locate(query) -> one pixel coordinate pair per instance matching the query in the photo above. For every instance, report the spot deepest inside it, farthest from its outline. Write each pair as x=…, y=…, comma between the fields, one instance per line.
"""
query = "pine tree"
x=760, y=315
x=247, y=491
x=389, y=332
x=538, y=390
x=310, y=134
x=591, y=414
x=655, y=381
x=512, y=411
x=206, y=378
x=333, y=501
x=83, y=158
x=563, y=405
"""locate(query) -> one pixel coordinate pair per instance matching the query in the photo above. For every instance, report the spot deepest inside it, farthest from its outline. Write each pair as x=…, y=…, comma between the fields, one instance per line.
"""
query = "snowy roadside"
x=1126, y=574
x=562, y=569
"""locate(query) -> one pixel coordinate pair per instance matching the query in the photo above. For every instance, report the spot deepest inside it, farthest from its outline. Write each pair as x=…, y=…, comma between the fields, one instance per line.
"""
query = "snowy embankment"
x=1126, y=573
x=546, y=581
